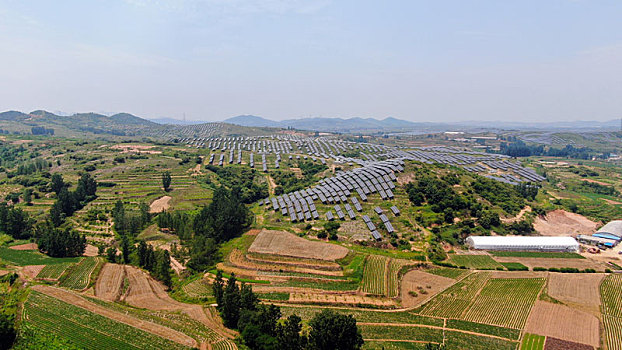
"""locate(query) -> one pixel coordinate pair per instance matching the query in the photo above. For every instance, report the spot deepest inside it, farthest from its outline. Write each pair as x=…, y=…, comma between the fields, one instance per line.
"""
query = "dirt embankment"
x=77, y=300
x=288, y=244
x=563, y=223
x=27, y=246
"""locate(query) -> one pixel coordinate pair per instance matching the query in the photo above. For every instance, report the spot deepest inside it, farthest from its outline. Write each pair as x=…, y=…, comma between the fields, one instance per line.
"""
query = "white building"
x=523, y=243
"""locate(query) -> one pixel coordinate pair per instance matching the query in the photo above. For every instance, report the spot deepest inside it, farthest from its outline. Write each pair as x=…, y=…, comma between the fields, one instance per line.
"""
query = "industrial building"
x=523, y=243
x=612, y=230
x=597, y=241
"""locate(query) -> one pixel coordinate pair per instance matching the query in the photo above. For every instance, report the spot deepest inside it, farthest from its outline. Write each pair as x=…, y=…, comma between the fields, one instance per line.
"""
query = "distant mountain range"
x=333, y=124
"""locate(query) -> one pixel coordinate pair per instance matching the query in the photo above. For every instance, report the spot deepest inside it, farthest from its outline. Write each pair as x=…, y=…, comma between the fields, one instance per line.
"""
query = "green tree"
x=334, y=331
x=111, y=255
x=7, y=331
x=218, y=288
x=288, y=334
x=224, y=218
x=57, y=183
x=230, y=308
x=166, y=181
x=163, y=269
x=57, y=242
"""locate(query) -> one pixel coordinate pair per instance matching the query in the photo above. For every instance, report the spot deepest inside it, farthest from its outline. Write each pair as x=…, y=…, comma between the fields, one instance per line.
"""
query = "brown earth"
x=582, y=290
x=32, y=270
x=562, y=223
x=563, y=322
x=110, y=282
x=288, y=244
x=77, y=300
x=4, y=272
x=91, y=250
x=597, y=182
x=160, y=204
x=238, y=259
x=518, y=274
x=559, y=344
x=417, y=278
x=554, y=262
x=611, y=202
x=344, y=299
x=27, y=246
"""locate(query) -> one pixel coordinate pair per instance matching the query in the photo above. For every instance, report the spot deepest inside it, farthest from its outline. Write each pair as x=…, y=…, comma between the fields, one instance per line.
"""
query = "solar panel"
x=395, y=211
x=329, y=216
x=378, y=210
x=376, y=235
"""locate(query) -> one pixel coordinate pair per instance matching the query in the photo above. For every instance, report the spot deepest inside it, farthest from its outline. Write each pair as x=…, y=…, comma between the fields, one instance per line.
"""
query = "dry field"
x=555, y=262
x=563, y=322
x=580, y=289
x=288, y=244
x=160, y=204
x=32, y=270
x=77, y=300
x=518, y=274
x=27, y=246
x=239, y=260
x=414, y=279
x=341, y=299
x=110, y=282
x=563, y=223
x=91, y=250
x=559, y=344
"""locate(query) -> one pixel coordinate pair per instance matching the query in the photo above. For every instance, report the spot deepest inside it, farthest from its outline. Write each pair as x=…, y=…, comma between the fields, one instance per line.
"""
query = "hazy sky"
x=434, y=60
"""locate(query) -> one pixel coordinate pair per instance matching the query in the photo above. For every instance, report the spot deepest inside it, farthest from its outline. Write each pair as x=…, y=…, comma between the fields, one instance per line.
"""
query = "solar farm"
x=374, y=227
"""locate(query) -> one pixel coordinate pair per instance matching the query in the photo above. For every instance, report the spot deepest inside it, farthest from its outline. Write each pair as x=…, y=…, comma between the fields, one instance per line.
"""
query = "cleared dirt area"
x=554, y=262
x=518, y=274
x=91, y=250
x=239, y=260
x=581, y=289
x=559, y=344
x=563, y=322
x=518, y=216
x=564, y=223
x=160, y=204
x=288, y=244
x=77, y=300
x=417, y=281
x=344, y=299
x=27, y=246
x=32, y=270
x=110, y=282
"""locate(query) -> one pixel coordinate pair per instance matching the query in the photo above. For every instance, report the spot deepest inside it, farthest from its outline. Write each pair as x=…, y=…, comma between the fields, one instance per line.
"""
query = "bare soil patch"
x=32, y=270
x=127, y=148
x=597, y=182
x=288, y=244
x=563, y=322
x=109, y=284
x=27, y=246
x=91, y=250
x=581, y=289
x=554, y=262
x=518, y=216
x=518, y=274
x=343, y=299
x=160, y=204
x=77, y=300
x=238, y=259
x=4, y=272
x=611, y=201
x=563, y=223
x=559, y=344
x=417, y=281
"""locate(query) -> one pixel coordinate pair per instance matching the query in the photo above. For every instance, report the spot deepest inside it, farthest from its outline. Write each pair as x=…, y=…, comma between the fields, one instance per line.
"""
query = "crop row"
x=402, y=333
x=464, y=341
x=374, y=275
x=86, y=329
x=613, y=332
x=475, y=261
x=456, y=299
x=532, y=342
x=611, y=295
x=224, y=344
x=448, y=272
x=77, y=276
x=395, y=265
x=53, y=271
x=505, y=302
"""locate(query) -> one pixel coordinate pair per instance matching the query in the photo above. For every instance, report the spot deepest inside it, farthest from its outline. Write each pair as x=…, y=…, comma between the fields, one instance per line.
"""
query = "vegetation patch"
x=557, y=255
x=30, y=257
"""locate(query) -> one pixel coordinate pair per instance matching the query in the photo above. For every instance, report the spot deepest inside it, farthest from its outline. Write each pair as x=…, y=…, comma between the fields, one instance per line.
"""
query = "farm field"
x=287, y=244
x=418, y=286
x=448, y=272
x=455, y=300
x=90, y=330
x=532, y=342
x=530, y=262
x=78, y=276
x=505, y=302
x=544, y=255
x=563, y=322
x=578, y=289
x=31, y=257
x=611, y=297
x=374, y=275
x=53, y=271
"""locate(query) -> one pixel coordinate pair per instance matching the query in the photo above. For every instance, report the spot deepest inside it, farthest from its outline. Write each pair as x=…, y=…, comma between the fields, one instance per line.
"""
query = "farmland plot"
x=456, y=299
x=478, y=262
x=395, y=266
x=463, y=341
x=611, y=297
x=563, y=322
x=402, y=333
x=86, y=329
x=53, y=272
x=505, y=302
x=78, y=276
x=532, y=342
x=374, y=275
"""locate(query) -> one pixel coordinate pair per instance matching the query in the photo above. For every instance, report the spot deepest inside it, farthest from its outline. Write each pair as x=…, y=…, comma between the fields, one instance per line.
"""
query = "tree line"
x=260, y=328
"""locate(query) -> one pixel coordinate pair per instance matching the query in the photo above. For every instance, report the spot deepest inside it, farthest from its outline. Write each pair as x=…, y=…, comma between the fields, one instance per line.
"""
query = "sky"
x=439, y=61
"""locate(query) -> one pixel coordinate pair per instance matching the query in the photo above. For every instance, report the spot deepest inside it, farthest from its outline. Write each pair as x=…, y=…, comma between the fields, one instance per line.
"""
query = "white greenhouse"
x=523, y=243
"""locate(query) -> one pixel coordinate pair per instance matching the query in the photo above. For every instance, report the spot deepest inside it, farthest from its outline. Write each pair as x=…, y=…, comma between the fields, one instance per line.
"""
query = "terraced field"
x=448, y=272
x=374, y=275
x=78, y=276
x=86, y=329
x=54, y=271
x=611, y=297
x=454, y=301
x=505, y=302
